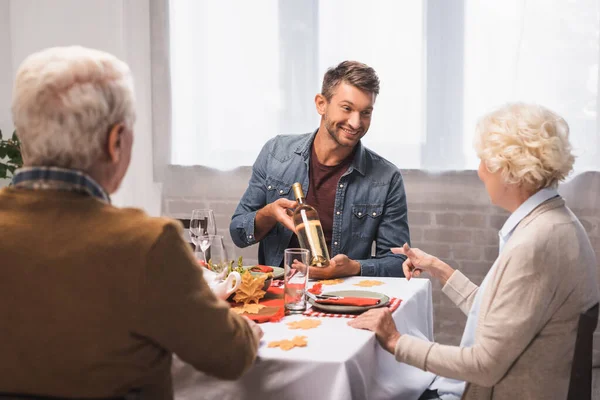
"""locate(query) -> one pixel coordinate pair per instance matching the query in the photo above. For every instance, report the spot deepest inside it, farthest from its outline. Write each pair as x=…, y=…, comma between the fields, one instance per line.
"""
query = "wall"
x=120, y=27
x=450, y=216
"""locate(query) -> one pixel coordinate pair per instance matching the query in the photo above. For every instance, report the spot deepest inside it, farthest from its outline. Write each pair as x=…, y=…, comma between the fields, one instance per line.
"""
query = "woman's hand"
x=379, y=321
x=418, y=261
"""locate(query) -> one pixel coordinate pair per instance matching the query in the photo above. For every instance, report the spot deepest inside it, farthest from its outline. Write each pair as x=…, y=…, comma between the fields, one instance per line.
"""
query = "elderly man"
x=95, y=299
x=359, y=195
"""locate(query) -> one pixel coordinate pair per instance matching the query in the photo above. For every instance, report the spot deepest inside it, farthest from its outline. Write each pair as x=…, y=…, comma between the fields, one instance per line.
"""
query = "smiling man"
x=359, y=195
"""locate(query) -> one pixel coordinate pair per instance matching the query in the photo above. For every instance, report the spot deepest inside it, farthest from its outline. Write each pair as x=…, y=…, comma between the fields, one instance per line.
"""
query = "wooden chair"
x=580, y=384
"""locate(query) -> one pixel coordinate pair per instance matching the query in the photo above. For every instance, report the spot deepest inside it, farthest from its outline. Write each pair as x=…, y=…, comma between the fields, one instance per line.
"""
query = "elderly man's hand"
x=339, y=267
x=379, y=321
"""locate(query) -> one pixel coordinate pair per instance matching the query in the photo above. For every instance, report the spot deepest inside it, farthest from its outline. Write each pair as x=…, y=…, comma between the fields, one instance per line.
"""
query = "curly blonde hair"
x=528, y=143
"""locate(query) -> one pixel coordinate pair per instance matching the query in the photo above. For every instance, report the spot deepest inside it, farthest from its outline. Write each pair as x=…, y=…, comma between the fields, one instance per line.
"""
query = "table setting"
x=324, y=358
x=308, y=349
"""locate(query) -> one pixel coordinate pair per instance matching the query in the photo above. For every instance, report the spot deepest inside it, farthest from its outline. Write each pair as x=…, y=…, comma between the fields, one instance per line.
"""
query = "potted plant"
x=10, y=156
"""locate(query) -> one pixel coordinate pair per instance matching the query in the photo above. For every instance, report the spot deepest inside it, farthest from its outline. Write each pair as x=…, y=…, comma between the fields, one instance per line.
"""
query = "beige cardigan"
x=525, y=335
x=96, y=298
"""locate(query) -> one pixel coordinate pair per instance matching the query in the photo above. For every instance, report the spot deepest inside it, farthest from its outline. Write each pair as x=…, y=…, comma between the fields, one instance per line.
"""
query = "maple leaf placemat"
x=304, y=324
x=369, y=283
x=331, y=281
x=298, y=341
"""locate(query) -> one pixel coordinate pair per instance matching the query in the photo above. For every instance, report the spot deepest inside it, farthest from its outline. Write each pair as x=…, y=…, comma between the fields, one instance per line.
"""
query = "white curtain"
x=243, y=72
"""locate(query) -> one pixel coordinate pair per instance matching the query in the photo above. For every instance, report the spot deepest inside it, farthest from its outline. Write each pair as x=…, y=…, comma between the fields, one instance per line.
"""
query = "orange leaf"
x=250, y=289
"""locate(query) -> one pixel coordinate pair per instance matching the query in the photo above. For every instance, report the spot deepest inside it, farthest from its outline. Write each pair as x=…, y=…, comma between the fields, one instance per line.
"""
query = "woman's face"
x=493, y=184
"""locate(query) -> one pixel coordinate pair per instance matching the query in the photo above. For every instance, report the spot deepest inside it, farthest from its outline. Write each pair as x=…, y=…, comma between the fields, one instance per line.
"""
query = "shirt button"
x=374, y=214
x=341, y=185
x=338, y=213
x=249, y=236
x=281, y=192
x=335, y=243
x=269, y=187
x=359, y=213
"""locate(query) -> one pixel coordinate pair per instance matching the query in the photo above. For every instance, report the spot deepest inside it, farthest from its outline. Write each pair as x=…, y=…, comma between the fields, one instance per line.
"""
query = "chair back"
x=580, y=384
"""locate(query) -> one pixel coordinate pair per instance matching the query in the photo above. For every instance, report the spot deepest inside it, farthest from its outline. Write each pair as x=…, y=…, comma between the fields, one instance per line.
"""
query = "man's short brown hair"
x=353, y=73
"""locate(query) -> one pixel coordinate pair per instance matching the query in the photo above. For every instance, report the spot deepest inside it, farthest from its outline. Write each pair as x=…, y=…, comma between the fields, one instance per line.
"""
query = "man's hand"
x=339, y=267
x=279, y=211
x=379, y=321
x=269, y=215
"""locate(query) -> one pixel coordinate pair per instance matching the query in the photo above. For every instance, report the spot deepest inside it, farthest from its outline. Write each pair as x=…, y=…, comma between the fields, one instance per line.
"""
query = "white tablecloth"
x=339, y=362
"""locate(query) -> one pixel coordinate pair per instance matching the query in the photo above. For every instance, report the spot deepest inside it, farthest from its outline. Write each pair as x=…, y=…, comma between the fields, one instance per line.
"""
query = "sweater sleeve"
x=519, y=309
x=178, y=311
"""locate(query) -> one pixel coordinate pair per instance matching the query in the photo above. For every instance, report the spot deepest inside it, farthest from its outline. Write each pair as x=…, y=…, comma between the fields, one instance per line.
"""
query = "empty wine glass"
x=218, y=260
x=202, y=223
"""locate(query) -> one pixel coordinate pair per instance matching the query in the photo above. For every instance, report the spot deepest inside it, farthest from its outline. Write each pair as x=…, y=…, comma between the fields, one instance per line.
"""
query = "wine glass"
x=202, y=223
x=218, y=260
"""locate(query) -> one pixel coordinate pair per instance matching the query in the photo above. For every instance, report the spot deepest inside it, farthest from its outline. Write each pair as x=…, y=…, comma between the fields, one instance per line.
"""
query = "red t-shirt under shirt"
x=323, y=181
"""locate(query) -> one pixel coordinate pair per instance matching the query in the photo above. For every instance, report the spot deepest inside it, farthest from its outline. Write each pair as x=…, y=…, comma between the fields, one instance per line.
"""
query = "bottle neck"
x=301, y=200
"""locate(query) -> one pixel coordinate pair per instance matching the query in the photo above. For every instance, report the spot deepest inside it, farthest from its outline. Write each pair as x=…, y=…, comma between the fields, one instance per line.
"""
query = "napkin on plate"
x=350, y=301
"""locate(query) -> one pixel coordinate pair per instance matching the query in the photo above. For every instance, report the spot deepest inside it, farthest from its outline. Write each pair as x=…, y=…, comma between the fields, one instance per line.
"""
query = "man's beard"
x=333, y=130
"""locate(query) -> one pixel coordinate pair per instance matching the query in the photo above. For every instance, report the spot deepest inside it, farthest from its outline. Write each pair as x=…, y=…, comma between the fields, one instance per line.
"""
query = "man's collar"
x=359, y=162
x=55, y=178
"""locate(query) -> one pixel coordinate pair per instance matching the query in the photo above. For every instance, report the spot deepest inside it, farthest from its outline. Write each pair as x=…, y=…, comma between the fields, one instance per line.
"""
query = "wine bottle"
x=309, y=229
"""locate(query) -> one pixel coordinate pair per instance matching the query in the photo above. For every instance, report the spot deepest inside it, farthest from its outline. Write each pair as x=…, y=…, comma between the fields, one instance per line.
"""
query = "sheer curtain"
x=243, y=72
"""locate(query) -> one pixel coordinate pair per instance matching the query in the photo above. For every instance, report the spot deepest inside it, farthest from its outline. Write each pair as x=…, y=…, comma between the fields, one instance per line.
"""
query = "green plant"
x=10, y=155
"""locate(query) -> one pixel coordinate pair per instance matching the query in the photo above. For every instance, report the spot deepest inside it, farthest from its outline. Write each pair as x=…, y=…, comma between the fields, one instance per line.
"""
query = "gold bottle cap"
x=298, y=192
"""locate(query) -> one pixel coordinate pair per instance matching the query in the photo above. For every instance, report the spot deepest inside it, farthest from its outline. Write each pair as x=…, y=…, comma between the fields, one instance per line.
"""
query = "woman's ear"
x=115, y=143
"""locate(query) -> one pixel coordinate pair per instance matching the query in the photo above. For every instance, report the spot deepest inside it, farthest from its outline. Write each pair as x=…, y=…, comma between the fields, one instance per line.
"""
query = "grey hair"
x=66, y=100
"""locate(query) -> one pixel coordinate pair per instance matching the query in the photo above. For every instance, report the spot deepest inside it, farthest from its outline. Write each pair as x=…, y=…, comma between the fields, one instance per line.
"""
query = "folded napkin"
x=351, y=301
x=261, y=268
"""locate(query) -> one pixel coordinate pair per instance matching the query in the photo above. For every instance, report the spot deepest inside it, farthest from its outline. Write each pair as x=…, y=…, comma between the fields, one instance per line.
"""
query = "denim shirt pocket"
x=365, y=220
x=276, y=189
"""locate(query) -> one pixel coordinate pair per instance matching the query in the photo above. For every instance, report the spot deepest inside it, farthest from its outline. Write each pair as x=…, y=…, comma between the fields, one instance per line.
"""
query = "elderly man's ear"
x=114, y=145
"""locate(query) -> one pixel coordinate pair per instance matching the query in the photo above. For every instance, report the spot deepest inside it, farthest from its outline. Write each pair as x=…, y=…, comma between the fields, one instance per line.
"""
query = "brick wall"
x=450, y=216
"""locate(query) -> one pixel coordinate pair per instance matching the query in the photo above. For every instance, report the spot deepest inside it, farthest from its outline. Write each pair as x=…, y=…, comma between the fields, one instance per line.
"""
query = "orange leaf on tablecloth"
x=248, y=308
x=331, y=281
x=369, y=283
x=304, y=324
x=297, y=341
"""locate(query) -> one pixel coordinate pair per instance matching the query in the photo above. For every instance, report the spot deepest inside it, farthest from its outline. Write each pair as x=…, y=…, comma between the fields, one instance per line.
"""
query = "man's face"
x=347, y=116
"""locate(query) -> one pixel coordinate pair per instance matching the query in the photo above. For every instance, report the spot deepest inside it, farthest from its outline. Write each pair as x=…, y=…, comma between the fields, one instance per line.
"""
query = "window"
x=243, y=72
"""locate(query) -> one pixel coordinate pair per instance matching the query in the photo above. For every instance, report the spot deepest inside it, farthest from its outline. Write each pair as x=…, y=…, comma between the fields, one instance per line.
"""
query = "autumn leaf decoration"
x=250, y=290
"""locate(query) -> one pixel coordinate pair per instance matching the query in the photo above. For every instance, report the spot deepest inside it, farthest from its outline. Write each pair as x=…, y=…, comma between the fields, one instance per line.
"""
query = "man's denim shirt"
x=370, y=205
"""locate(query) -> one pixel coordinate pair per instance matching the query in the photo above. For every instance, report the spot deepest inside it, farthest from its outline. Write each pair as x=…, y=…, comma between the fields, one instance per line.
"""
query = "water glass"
x=295, y=262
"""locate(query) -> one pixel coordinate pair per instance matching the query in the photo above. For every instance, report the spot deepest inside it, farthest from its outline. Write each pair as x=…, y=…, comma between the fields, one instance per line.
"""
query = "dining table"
x=338, y=361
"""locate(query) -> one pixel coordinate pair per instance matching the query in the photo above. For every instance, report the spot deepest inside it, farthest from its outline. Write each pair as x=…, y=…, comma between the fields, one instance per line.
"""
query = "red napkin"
x=350, y=301
x=261, y=268
x=316, y=288
x=273, y=311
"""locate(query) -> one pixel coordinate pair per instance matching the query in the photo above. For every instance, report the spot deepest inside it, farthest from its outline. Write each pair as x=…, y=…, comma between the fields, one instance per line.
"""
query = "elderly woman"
x=520, y=334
